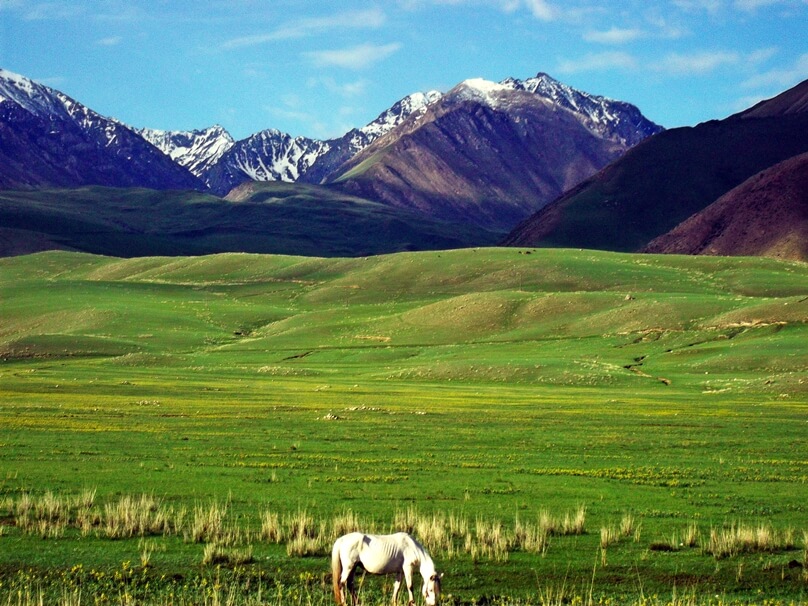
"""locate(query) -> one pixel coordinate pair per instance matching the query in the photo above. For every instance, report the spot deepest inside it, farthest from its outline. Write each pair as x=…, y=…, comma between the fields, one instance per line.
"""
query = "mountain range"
x=667, y=184
x=481, y=157
x=529, y=162
x=48, y=139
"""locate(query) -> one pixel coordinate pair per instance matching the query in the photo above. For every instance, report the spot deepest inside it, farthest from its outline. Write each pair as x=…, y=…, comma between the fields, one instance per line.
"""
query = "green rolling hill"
x=272, y=218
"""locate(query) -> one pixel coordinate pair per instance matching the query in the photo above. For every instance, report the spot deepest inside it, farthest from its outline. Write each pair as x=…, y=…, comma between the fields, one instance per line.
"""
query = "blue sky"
x=318, y=68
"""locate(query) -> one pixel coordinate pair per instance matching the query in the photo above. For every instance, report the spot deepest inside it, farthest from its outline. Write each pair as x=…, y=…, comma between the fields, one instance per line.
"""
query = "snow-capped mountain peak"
x=271, y=155
x=72, y=145
x=196, y=150
x=481, y=90
x=606, y=117
x=29, y=95
x=414, y=104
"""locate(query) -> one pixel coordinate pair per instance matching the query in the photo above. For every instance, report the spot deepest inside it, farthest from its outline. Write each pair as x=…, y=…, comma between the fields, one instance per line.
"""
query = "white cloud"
x=607, y=61
x=706, y=62
x=366, y=19
x=781, y=77
x=541, y=9
x=109, y=41
x=356, y=88
x=356, y=57
x=753, y=5
x=614, y=35
x=709, y=6
x=50, y=11
x=698, y=63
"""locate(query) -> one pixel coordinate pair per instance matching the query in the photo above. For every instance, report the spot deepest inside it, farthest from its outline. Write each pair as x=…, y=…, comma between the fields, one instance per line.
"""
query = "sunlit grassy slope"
x=490, y=382
x=538, y=317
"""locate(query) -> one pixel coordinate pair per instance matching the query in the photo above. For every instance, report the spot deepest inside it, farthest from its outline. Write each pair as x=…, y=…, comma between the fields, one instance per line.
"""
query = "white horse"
x=397, y=554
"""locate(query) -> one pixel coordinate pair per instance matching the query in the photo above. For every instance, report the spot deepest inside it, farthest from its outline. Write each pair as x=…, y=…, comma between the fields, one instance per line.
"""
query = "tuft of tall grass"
x=348, y=521
x=304, y=546
x=406, y=519
x=575, y=523
x=532, y=538
x=741, y=538
x=135, y=516
x=609, y=535
x=691, y=535
x=628, y=525
x=216, y=553
x=299, y=525
x=433, y=532
x=571, y=523
x=207, y=524
x=271, y=530
x=489, y=541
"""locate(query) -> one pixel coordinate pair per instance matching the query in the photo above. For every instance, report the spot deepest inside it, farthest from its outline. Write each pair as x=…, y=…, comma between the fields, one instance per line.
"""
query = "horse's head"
x=432, y=589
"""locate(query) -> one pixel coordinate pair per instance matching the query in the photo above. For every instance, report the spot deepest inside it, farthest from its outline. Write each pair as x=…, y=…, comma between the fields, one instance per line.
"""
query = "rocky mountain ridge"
x=50, y=139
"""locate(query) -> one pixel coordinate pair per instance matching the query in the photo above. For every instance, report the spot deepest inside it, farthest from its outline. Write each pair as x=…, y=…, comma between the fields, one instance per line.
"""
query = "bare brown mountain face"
x=767, y=215
x=484, y=154
x=669, y=177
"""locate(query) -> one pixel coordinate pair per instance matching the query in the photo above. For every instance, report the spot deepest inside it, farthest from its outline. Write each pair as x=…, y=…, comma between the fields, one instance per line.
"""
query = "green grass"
x=488, y=384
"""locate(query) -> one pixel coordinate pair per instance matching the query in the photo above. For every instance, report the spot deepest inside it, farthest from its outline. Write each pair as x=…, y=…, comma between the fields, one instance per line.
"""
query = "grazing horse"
x=397, y=554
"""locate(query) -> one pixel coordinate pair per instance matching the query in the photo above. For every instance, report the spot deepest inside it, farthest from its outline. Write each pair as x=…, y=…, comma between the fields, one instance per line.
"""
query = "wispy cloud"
x=366, y=19
x=109, y=41
x=698, y=63
x=753, y=5
x=356, y=57
x=709, y=6
x=541, y=9
x=53, y=81
x=781, y=77
x=598, y=62
x=615, y=35
x=356, y=88
x=50, y=11
x=702, y=63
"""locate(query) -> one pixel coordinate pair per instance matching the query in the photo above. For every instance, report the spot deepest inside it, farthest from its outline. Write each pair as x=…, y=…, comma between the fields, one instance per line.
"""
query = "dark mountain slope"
x=664, y=180
x=767, y=215
x=792, y=101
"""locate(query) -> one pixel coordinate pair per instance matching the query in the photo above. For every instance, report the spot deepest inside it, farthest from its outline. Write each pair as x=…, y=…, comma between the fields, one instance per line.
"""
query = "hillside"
x=667, y=178
x=266, y=218
x=552, y=317
x=767, y=215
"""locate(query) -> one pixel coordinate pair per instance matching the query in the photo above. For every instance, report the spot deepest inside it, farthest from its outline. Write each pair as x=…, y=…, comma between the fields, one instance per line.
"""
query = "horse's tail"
x=336, y=571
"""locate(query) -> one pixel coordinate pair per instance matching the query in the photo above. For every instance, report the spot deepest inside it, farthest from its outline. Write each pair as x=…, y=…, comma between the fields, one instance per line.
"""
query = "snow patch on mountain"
x=196, y=150
x=411, y=105
x=271, y=155
x=70, y=144
x=480, y=91
x=616, y=120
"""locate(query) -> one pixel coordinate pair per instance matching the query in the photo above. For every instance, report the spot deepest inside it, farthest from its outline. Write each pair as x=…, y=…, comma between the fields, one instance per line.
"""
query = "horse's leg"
x=397, y=586
x=408, y=580
x=346, y=583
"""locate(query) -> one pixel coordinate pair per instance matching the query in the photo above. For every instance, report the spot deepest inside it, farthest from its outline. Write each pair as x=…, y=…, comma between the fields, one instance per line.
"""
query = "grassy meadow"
x=556, y=426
